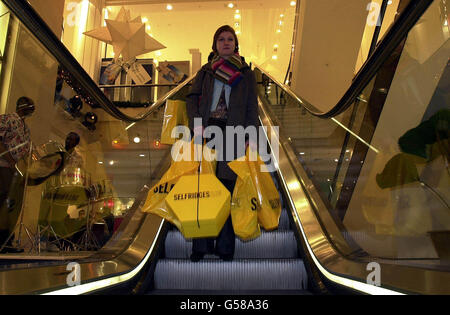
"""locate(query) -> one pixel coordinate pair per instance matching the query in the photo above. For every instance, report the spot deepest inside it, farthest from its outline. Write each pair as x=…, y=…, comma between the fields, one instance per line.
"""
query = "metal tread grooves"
x=239, y=274
x=274, y=244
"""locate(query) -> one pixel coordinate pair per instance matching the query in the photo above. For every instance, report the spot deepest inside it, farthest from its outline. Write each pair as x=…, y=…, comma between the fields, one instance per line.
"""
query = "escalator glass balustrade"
x=378, y=172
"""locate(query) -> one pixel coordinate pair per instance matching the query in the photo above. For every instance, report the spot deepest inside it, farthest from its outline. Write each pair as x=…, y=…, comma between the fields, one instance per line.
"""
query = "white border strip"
x=95, y=285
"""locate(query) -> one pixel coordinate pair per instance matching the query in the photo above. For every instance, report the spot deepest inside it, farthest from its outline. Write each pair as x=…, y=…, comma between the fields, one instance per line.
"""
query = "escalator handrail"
x=390, y=41
x=36, y=25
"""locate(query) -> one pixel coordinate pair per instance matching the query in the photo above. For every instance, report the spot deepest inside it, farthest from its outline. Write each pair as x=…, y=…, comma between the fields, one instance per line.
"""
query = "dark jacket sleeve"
x=252, y=101
x=193, y=99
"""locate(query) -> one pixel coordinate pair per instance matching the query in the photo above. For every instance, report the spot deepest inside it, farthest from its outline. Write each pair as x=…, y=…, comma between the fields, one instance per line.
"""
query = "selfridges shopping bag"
x=156, y=202
x=263, y=197
x=243, y=208
x=175, y=114
x=200, y=202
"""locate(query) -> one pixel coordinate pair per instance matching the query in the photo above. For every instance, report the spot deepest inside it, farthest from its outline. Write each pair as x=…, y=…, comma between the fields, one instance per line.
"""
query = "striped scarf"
x=227, y=70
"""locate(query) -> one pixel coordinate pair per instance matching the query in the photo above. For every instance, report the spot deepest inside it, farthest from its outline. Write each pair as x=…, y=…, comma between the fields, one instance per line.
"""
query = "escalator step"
x=282, y=244
x=245, y=274
x=283, y=224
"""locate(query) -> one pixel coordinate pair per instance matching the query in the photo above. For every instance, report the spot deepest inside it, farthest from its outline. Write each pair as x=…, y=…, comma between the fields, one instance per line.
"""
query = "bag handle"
x=198, y=182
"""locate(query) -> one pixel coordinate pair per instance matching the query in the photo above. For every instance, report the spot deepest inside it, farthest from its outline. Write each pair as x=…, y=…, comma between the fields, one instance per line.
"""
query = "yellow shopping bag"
x=244, y=215
x=263, y=195
x=201, y=204
x=175, y=114
x=155, y=202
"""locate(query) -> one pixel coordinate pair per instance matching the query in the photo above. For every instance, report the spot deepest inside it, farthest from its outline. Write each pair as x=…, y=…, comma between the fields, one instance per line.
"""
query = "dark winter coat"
x=242, y=107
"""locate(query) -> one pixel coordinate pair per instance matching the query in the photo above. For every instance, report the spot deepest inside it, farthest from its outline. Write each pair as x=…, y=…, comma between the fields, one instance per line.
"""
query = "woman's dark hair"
x=220, y=30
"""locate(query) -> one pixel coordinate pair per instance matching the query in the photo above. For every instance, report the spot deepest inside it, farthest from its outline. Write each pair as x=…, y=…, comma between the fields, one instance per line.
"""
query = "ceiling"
x=132, y=2
x=199, y=4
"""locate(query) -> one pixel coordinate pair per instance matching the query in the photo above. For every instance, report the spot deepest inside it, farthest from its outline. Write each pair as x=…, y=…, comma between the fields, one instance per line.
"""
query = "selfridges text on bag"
x=263, y=195
x=175, y=114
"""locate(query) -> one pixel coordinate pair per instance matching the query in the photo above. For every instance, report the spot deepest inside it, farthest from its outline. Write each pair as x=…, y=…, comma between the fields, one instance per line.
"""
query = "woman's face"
x=225, y=44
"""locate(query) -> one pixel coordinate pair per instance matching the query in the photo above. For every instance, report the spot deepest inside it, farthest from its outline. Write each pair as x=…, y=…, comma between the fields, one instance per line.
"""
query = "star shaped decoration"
x=126, y=35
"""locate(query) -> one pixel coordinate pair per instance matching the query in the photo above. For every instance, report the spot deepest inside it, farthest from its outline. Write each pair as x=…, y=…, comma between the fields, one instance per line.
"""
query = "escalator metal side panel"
x=305, y=205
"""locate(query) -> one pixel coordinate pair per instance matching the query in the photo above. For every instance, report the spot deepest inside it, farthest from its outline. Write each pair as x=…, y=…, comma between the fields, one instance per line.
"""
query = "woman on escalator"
x=223, y=94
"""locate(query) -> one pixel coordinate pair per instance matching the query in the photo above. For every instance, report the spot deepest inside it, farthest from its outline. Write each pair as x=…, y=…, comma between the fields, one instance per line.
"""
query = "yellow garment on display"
x=264, y=195
x=175, y=114
x=206, y=194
